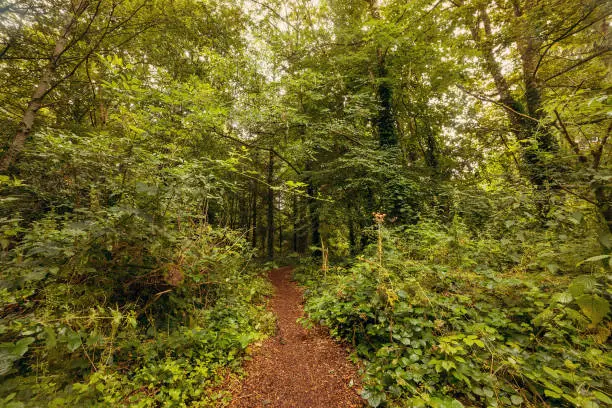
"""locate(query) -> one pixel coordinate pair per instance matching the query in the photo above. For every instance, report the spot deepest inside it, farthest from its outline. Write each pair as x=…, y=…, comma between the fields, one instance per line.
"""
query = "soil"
x=298, y=368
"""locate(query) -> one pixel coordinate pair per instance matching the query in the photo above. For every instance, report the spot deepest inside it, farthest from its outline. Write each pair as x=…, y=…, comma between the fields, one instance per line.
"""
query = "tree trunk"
x=254, y=215
x=303, y=228
x=352, y=238
x=542, y=139
x=603, y=197
x=270, y=229
x=45, y=84
x=313, y=215
x=295, y=223
x=385, y=120
x=525, y=122
x=280, y=228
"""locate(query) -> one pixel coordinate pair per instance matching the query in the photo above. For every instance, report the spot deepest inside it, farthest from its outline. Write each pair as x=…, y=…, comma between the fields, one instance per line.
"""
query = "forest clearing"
x=438, y=174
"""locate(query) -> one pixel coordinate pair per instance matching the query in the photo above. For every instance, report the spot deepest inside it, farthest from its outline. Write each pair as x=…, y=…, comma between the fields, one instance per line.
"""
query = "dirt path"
x=297, y=368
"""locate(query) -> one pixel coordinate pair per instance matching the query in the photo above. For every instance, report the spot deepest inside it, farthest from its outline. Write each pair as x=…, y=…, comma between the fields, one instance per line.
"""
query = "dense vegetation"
x=439, y=170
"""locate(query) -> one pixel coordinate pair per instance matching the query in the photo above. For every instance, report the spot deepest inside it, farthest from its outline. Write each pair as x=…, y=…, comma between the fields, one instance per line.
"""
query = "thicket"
x=510, y=315
x=127, y=298
x=121, y=284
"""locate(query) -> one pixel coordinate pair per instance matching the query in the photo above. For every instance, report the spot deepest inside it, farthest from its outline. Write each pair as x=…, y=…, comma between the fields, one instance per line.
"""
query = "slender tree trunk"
x=254, y=215
x=431, y=150
x=313, y=215
x=352, y=240
x=543, y=140
x=604, y=204
x=295, y=223
x=270, y=229
x=249, y=219
x=45, y=84
x=280, y=228
x=303, y=228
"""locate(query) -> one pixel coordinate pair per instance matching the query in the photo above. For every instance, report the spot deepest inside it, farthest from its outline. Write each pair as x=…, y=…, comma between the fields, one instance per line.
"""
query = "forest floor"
x=297, y=368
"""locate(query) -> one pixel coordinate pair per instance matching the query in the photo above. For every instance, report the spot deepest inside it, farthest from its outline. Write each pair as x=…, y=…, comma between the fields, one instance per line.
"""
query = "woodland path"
x=297, y=368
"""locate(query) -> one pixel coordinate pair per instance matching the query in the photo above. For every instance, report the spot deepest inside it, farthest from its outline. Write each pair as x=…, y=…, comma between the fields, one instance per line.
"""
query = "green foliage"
x=177, y=140
x=440, y=330
x=135, y=334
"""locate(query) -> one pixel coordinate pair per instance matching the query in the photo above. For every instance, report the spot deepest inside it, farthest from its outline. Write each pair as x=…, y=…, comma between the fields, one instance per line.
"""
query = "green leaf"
x=605, y=239
x=552, y=267
x=553, y=373
x=594, y=307
x=516, y=399
x=563, y=297
x=21, y=347
x=602, y=397
x=73, y=341
x=577, y=217
x=50, y=338
x=456, y=404
x=6, y=362
x=581, y=285
x=373, y=398
x=551, y=393
x=448, y=365
x=595, y=259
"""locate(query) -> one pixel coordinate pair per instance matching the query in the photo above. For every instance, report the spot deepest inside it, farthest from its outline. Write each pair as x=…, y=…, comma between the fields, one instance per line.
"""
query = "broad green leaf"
x=21, y=347
x=595, y=259
x=563, y=297
x=581, y=285
x=594, y=307
x=50, y=337
x=602, y=397
x=6, y=362
x=73, y=341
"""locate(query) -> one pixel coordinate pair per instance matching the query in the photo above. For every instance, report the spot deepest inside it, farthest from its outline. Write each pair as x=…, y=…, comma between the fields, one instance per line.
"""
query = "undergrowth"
x=109, y=310
x=442, y=319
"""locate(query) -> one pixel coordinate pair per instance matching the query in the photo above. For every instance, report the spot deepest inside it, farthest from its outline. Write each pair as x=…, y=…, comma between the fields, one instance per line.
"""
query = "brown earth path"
x=297, y=368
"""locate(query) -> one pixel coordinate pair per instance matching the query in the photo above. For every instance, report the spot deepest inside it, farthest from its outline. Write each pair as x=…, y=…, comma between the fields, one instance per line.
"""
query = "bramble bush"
x=130, y=314
x=114, y=290
x=437, y=329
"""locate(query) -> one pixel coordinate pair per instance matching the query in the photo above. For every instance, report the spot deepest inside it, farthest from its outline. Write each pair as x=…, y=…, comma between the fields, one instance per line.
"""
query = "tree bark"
x=313, y=215
x=525, y=122
x=295, y=223
x=254, y=215
x=280, y=227
x=352, y=237
x=270, y=218
x=385, y=119
x=45, y=84
x=543, y=140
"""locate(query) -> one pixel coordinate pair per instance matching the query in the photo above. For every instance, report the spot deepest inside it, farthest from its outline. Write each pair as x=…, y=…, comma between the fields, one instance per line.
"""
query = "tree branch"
x=498, y=103
x=577, y=64
x=254, y=146
x=567, y=33
x=569, y=139
x=599, y=152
